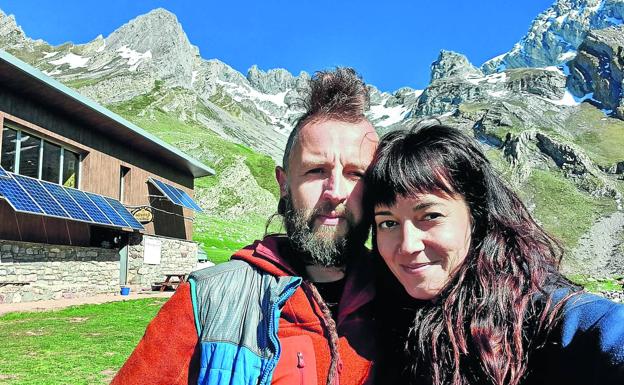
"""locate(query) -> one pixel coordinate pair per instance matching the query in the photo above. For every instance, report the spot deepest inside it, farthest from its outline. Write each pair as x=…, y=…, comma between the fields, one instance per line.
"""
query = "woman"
x=485, y=303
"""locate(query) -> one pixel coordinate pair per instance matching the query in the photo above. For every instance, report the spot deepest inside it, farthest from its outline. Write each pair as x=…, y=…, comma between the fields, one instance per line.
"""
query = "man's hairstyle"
x=339, y=94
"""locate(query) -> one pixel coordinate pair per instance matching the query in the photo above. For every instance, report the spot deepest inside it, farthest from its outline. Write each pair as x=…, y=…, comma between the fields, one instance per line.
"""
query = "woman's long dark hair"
x=476, y=329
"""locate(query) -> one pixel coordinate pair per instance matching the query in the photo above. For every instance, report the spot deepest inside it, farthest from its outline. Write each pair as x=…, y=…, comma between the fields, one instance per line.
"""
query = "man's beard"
x=323, y=245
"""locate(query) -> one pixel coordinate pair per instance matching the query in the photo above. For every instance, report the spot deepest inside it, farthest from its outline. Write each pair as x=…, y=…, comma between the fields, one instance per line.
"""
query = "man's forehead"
x=328, y=132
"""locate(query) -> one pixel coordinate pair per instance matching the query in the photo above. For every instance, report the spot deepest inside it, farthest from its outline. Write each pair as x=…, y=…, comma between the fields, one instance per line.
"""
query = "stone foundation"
x=36, y=271
x=177, y=256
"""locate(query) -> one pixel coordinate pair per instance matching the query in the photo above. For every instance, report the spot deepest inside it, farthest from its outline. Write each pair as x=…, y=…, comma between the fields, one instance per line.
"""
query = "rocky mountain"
x=557, y=32
x=549, y=114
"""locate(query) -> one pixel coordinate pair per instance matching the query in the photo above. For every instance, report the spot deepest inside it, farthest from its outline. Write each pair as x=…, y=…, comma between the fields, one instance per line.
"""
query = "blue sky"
x=391, y=45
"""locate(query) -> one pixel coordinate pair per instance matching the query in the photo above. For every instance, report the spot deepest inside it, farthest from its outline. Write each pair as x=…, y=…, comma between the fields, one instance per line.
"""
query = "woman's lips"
x=416, y=268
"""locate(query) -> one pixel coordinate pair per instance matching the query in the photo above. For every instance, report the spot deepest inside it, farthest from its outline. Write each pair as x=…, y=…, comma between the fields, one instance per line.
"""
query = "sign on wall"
x=151, y=251
x=143, y=214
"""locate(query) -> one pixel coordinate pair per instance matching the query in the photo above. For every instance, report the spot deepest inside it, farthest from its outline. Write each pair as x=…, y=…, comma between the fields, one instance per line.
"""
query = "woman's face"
x=423, y=240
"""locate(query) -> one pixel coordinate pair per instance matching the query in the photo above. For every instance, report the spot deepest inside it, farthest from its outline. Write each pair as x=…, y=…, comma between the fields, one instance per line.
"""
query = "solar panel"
x=88, y=206
x=166, y=190
x=176, y=195
x=3, y=173
x=66, y=201
x=124, y=213
x=17, y=197
x=101, y=203
x=189, y=202
x=40, y=195
x=32, y=196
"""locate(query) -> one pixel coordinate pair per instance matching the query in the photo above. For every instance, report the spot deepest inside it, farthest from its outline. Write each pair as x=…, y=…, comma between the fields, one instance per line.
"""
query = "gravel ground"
x=599, y=252
x=63, y=303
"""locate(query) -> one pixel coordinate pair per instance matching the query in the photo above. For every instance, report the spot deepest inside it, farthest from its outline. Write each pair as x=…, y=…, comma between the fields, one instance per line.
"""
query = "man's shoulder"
x=219, y=270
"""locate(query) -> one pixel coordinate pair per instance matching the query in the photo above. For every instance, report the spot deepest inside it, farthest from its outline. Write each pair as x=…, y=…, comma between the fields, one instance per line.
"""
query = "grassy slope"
x=220, y=237
x=83, y=345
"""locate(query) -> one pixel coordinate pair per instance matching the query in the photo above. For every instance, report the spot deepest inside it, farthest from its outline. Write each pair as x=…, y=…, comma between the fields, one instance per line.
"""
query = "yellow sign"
x=143, y=214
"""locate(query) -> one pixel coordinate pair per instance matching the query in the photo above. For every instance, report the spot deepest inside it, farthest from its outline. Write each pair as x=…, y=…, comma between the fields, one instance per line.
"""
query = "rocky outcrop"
x=453, y=65
x=271, y=82
x=557, y=32
x=599, y=69
x=445, y=94
x=11, y=34
x=156, y=40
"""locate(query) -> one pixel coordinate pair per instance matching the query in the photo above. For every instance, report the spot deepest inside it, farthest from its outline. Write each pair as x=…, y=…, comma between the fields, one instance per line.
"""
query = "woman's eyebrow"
x=383, y=212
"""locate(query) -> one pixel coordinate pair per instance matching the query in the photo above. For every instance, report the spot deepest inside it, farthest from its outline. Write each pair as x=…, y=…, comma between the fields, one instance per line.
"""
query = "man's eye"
x=356, y=174
x=387, y=224
x=315, y=171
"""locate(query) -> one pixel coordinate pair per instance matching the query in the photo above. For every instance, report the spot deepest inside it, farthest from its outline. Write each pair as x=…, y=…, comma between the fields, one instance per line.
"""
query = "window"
x=9, y=144
x=70, y=169
x=123, y=179
x=27, y=154
x=51, y=166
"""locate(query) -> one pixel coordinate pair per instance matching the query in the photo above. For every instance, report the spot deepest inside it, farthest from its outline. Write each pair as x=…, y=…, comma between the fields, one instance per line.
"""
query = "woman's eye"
x=387, y=224
x=431, y=216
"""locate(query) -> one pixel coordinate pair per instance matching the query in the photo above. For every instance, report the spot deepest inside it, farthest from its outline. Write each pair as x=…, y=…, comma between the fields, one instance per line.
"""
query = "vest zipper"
x=300, y=365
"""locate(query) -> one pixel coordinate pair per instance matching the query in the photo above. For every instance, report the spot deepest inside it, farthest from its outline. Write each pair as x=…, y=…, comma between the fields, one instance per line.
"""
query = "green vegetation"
x=597, y=285
x=600, y=136
x=83, y=345
x=563, y=210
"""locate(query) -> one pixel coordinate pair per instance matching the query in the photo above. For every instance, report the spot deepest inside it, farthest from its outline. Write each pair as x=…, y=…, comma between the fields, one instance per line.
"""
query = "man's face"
x=323, y=187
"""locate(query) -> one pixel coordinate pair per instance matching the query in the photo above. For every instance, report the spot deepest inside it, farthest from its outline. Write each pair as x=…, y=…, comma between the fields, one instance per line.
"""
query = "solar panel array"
x=3, y=173
x=33, y=196
x=175, y=195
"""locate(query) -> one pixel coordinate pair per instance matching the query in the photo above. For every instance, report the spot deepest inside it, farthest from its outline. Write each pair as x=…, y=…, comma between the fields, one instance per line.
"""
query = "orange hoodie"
x=168, y=353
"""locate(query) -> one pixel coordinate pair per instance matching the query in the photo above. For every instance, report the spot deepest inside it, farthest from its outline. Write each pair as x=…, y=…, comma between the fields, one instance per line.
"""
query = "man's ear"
x=282, y=180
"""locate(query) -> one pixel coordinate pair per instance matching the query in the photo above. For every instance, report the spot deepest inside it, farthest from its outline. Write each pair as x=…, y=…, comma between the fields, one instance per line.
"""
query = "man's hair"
x=339, y=94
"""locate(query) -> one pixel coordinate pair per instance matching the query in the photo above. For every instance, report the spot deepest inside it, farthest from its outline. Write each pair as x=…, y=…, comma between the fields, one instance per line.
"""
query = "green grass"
x=600, y=136
x=596, y=285
x=563, y=210
x=83, y=345
x=221, y=237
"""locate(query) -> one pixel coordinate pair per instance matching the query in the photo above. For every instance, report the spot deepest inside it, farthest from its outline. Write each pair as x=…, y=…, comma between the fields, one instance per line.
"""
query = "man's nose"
x=336, y=188
x=411, y=239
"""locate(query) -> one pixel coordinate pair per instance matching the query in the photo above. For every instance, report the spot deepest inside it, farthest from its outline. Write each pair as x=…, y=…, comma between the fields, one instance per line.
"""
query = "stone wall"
x=36, y=271
x=177, y=256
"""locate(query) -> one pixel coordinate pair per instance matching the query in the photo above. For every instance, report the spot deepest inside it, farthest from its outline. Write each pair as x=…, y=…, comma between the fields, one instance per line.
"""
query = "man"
x=285, y=310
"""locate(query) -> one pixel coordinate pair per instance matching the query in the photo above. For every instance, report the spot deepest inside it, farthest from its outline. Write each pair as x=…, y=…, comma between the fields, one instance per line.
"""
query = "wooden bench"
x=173, y=284
x=14, y=283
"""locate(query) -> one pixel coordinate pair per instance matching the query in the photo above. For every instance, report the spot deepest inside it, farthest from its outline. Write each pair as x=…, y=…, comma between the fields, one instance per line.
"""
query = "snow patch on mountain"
x=74, y=61
x=134, y=58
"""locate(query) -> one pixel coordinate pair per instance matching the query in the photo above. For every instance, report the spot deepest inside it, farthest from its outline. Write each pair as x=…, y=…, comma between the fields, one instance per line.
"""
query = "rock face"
x=557, y=32
x=453, y=65
x=156, y=40
x=599, y=69
x=271, y=82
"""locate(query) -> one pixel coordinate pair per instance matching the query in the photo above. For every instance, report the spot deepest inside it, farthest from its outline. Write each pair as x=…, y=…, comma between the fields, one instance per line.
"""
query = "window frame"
x=18, y=147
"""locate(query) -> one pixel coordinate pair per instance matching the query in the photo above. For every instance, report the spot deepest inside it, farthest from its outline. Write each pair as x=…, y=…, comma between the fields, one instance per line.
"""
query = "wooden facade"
x=105, y=154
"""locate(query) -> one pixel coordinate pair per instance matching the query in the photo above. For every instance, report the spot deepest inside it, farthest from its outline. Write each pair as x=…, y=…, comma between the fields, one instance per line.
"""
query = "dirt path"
x=63, y=303
x=598, y=252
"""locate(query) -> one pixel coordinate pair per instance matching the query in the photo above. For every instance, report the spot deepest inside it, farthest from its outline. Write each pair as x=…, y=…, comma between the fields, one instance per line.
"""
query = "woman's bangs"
x=408, y=173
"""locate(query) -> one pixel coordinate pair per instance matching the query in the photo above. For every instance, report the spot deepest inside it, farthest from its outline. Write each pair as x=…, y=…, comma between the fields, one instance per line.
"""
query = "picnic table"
x=7, y=283
x=173, y=284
